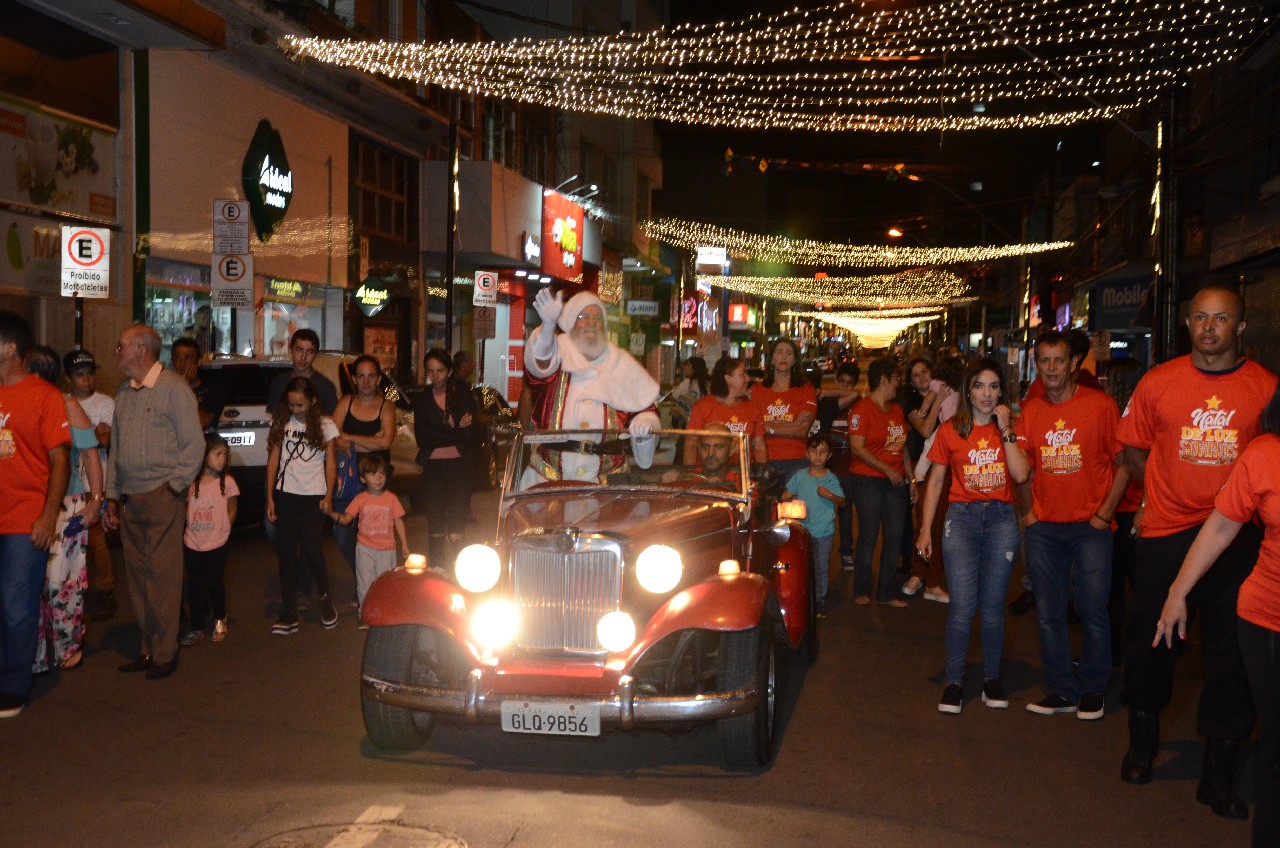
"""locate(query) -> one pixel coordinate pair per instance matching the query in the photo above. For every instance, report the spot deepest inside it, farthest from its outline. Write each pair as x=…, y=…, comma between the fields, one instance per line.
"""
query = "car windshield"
x=688, y=460
x=244, y=384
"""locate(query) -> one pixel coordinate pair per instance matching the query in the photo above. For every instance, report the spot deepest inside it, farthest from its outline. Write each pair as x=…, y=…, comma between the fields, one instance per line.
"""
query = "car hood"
x=643, y=518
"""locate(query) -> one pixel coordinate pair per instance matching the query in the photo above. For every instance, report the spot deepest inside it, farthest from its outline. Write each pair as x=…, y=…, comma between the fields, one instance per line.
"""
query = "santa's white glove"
x=549, y=307
x=643, y=443
x=640, y=429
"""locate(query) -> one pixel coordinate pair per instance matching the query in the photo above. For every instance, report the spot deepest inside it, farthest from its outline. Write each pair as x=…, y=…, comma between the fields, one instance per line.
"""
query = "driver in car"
x=580, y=380
x=715, y=466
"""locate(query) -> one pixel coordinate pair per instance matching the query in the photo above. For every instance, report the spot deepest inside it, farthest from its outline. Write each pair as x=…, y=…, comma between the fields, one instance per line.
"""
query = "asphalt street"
x=258, y=741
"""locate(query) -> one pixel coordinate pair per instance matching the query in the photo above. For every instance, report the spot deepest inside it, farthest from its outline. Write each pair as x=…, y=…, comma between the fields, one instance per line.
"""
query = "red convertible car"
x=625, y=588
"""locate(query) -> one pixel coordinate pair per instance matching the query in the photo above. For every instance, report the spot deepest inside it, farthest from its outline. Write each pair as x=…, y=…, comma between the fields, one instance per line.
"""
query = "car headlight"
x=658, y=568
x=494, y=624
x=477, y=568
x=616, y=631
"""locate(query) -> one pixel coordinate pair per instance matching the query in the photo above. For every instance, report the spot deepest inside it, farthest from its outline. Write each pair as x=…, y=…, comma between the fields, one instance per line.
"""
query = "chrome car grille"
x=561, y=596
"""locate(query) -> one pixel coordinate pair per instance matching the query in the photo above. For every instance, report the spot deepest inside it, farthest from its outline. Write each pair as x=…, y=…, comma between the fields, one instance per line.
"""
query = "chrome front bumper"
x=624, y=710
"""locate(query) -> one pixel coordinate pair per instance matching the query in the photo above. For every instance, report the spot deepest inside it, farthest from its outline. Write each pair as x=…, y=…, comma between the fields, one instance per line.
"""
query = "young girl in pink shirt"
x=211, y=510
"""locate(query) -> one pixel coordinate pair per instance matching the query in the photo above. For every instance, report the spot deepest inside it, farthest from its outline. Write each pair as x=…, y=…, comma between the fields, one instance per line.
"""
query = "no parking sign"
x=486, y=291
x=86, y=262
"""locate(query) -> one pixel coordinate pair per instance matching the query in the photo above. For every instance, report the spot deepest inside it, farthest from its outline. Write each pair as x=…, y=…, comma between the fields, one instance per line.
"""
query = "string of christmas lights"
x=920, y=312
x=872, y=330
x=881, y=291
x=1028, y=63
x=743, y=245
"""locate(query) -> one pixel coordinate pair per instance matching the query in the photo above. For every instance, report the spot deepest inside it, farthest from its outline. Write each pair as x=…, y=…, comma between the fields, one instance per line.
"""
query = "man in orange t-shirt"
x=34, y=465
x=1069, y=436
x=881, y=483
x=1186, y=425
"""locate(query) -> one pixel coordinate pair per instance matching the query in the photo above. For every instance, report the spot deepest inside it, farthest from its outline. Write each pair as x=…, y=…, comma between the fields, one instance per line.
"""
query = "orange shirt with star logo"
x=741, y=417
x=783, y=408
x=1072, y=447
x=1196, y=424
x=1252, y=489
x=978, y=470
x=885, y=432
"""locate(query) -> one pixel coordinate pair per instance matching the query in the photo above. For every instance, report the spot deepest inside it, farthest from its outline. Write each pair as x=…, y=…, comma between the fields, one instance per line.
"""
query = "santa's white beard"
x=590, y=348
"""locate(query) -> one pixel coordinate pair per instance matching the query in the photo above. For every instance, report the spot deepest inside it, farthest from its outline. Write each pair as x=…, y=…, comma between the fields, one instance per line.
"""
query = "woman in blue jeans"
x=980, y=537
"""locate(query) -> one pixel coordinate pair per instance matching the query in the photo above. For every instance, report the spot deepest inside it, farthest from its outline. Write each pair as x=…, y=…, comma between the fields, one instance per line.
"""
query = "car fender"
x=791, y=572
x=727, y=602
x=398, y=597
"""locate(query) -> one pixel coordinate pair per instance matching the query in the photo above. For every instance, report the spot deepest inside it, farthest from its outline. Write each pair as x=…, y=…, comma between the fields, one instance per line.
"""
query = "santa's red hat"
x=574, y=306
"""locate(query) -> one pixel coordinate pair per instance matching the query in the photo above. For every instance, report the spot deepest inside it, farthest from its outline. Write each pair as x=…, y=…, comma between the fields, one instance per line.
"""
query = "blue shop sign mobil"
x=1116, y=302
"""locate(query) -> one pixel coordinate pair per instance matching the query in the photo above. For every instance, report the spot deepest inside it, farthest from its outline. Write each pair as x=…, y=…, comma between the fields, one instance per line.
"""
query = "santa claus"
x=582, y=381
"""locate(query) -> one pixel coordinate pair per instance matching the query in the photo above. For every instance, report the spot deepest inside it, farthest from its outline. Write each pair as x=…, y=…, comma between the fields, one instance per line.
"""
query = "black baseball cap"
x=79, y=360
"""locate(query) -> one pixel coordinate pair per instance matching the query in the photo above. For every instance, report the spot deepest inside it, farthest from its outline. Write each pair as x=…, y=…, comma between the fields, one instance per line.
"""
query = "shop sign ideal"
x=267, y=180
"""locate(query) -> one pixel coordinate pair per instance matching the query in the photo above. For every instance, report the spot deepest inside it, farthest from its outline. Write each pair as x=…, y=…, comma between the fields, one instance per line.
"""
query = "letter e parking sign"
x=86, y=262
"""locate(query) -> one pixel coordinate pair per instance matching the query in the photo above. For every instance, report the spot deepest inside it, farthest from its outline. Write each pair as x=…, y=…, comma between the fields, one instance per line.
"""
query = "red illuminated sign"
x=689, y=313
x=563, y=222
x=738, y=313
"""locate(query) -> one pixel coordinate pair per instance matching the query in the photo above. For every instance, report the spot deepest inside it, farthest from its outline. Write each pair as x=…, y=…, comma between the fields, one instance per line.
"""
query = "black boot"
x=1144, y=740
x=1218, y=779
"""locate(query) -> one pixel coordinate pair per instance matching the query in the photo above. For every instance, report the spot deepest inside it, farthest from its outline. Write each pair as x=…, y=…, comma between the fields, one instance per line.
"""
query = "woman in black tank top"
x=361, y=435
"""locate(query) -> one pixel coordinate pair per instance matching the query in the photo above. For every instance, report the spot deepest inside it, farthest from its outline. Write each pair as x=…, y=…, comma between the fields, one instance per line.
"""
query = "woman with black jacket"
x=444, y=422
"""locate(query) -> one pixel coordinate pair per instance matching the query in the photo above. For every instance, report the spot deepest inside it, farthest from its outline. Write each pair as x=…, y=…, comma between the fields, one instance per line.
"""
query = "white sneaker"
x=937, y=594
x=912, y=586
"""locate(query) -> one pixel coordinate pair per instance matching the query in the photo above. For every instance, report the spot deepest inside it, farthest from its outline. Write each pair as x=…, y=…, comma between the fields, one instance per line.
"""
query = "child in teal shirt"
x=822, y=495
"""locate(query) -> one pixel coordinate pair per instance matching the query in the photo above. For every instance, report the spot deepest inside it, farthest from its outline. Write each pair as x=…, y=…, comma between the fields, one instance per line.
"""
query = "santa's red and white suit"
x=612, y=391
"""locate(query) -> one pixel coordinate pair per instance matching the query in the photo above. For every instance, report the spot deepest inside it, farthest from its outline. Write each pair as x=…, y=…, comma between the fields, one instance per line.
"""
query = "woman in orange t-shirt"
x=982, y=538
x=728, y=403
x=1252, y=489
x=789, y=405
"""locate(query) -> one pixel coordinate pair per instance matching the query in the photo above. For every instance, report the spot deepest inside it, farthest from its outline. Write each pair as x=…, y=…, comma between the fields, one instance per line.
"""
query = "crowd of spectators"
x=1134, y=503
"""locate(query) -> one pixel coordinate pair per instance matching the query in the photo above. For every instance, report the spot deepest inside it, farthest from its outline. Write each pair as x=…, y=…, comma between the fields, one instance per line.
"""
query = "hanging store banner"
x=563, y=223
x=55, y=164
x=32, y=249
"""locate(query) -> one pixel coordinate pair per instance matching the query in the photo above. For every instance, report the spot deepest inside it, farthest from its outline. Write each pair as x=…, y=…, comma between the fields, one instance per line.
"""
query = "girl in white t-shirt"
x=300, y=478
x=211, y=510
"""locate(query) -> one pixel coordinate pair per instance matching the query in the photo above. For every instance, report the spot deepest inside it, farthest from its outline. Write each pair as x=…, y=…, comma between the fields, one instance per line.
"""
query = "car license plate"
x=238, y=439
x=551, y=718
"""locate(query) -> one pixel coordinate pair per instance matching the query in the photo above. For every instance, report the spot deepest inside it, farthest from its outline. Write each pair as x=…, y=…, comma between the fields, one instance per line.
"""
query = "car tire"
x=409, y=653
x=749, y=657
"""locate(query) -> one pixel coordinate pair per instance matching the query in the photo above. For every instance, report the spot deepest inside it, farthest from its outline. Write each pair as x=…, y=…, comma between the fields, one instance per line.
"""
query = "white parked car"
x=246, y=421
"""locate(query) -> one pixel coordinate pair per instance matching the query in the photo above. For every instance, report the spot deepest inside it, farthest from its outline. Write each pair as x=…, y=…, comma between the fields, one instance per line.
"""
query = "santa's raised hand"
x=548, y=306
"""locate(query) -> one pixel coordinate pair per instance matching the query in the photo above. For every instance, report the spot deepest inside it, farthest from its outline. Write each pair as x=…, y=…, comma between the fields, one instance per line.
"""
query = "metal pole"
x=451, y=236
x=77, y=303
